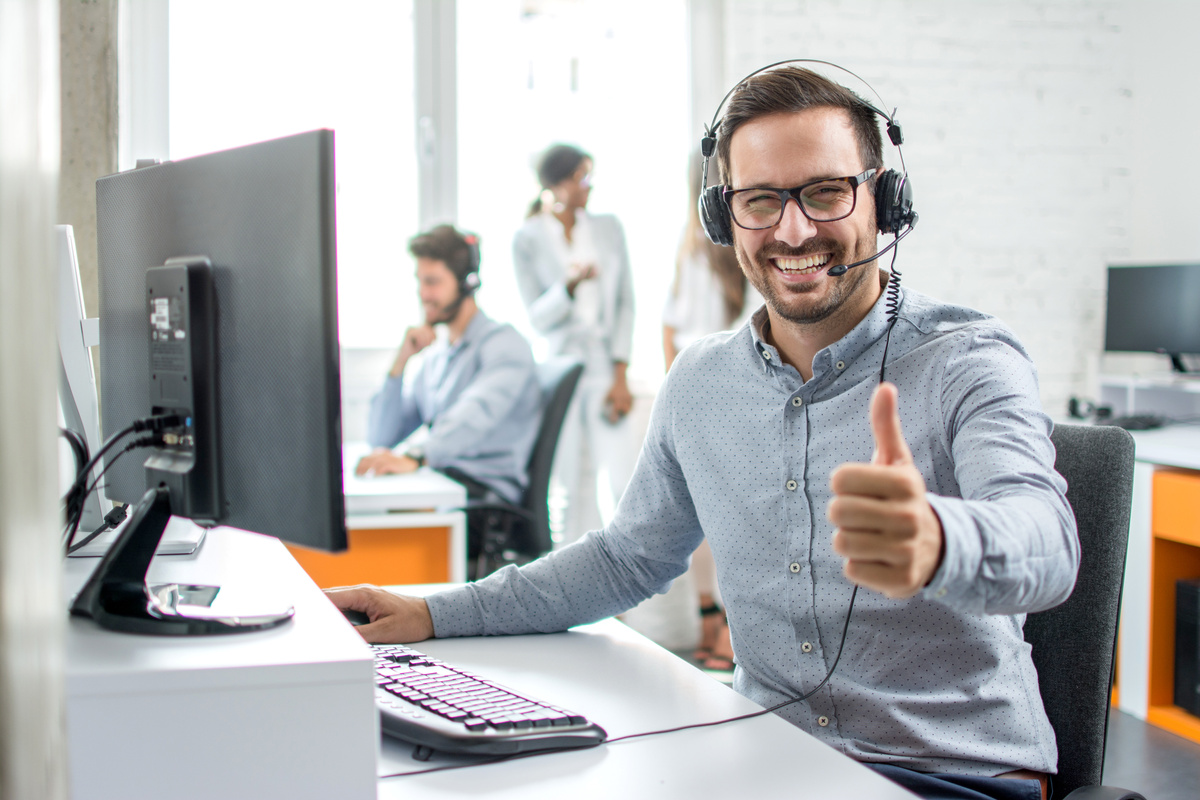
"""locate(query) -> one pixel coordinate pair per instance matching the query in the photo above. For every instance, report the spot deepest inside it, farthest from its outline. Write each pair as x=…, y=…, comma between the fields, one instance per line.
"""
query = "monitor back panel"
x=264, y=216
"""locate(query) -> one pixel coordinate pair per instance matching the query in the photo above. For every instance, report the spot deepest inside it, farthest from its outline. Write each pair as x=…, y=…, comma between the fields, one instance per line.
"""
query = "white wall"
x=1031, y=128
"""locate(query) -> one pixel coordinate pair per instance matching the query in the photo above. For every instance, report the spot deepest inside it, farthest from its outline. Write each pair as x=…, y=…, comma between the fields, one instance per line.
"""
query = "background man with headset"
x=476, y=388
x=781, y=441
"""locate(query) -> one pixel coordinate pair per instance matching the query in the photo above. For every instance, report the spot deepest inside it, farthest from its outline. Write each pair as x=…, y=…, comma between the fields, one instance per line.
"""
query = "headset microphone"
x=842, y=269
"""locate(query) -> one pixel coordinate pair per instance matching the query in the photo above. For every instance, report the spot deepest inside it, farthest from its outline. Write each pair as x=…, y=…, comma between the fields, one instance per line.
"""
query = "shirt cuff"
x=954, y=583
x=455, y=613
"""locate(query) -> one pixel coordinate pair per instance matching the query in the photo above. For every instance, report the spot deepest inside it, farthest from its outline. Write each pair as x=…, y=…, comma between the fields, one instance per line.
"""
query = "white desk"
x=422, y=499
x=288, y=713
x=627, y=684
x=283, y=713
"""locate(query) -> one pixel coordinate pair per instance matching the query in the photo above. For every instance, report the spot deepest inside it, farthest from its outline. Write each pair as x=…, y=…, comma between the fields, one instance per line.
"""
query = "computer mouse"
x=356, y=617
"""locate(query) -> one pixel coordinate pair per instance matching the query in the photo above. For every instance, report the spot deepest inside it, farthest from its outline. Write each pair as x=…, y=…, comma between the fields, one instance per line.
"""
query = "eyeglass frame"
x=794, y=194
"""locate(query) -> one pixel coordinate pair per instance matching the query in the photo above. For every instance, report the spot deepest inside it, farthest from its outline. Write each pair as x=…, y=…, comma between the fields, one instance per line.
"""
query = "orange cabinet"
x=382, y=556
x=1175, y=554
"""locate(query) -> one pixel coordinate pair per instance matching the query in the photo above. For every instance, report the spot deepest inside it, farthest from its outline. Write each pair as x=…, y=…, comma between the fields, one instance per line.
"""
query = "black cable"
x=111, y=520
x=79, y=450
x=772, y=709
x=69, y=544
x=155, y=424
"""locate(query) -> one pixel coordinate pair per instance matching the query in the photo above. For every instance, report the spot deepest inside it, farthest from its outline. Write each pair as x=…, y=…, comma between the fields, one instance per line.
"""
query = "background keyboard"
x=437, y=706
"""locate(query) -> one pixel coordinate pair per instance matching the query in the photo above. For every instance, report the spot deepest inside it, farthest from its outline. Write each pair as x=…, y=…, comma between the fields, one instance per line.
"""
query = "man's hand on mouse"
x=887, y=531
x=395, y=619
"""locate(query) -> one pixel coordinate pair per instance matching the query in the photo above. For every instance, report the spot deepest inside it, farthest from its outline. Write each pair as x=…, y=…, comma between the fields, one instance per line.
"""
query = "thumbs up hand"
x=886, y=530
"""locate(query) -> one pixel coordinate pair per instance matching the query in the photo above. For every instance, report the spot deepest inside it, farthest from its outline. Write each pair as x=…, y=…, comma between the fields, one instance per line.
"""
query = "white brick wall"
x=1018, y=121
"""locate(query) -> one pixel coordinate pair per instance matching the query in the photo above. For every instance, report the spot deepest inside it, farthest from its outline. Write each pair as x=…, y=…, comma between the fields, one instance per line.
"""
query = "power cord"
x=80, y=489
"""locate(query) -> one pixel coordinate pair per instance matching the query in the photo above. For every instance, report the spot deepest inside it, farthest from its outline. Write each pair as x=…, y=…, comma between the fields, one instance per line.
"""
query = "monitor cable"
x=81, y=489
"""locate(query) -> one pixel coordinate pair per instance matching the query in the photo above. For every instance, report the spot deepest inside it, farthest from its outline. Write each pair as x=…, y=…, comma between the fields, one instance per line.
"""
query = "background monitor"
x=1154, y=309
x=77, y=401
x=263, y=217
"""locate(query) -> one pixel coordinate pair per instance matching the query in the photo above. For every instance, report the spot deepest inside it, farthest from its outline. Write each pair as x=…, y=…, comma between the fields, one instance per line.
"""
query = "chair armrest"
x=1103, y=793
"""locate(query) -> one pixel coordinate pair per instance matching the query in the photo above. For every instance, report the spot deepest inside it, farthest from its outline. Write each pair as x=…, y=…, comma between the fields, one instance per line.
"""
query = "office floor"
x=1139, y=757
x=1157, y=763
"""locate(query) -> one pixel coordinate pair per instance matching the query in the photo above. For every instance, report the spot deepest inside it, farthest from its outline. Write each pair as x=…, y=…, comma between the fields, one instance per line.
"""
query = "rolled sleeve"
x=393, y=414
x=1010, y=539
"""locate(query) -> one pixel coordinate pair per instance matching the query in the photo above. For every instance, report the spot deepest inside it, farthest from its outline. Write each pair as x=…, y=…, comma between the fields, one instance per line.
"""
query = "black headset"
x=893, y=191
x=469, y=283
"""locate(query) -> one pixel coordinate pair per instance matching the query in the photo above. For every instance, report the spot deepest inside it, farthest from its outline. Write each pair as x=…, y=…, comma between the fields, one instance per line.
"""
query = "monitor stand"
x=118, y=597
x=1179, y=368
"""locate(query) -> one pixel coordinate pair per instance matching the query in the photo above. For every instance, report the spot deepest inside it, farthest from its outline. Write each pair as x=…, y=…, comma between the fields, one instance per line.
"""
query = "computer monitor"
x=77, y=399
x=218, y=317
x=1154, y=309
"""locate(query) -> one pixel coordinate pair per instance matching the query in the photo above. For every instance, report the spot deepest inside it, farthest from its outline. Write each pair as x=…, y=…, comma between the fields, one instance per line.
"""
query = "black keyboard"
x=1137, y=422
x=439, y=707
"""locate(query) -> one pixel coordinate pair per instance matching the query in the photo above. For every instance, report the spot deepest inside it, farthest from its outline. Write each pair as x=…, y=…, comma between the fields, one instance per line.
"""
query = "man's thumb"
x=890, y=447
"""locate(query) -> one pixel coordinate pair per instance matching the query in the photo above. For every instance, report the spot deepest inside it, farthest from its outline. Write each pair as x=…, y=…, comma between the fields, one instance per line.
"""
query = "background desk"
x=401, y=529
x=627, y=684
x=1164, y=545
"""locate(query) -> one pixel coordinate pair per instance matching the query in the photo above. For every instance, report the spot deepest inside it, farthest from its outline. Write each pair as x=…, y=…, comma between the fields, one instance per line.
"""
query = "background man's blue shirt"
x=480, y=399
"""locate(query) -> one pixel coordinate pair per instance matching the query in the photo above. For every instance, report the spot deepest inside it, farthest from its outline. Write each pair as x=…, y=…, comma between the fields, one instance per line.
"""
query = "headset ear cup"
x=885, y=201
x=714, y=216
x=893, y=202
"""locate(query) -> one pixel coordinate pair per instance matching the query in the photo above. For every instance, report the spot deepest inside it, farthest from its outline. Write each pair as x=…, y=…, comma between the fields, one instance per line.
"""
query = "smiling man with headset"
x=851, y=435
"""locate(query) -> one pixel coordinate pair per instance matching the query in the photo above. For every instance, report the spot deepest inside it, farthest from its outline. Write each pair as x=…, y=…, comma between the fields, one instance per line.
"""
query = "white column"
x=32, y=610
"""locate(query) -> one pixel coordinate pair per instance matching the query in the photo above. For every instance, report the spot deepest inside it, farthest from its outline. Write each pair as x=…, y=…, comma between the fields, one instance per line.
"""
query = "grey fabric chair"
x=1074, y=643
x=509, y=533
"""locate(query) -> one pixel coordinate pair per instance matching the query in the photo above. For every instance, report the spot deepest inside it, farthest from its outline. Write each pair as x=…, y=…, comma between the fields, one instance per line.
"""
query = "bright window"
x=243, y=72
x=607, y=75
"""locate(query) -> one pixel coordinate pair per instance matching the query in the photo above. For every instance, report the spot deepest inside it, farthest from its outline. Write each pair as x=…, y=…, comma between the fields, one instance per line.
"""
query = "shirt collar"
x=475, y=328
x=844, y=351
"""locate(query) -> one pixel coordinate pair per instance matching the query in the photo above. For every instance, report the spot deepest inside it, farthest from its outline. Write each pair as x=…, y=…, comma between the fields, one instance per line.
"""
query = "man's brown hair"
x=791, y=89
x=444, y=243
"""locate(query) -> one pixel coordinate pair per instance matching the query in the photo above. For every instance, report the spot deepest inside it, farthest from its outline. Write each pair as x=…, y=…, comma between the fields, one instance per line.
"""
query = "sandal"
x=721, y=657
x=703, y=653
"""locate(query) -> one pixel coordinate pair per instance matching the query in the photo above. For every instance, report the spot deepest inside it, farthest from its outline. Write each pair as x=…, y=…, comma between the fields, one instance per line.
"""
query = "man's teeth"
x=807, y=264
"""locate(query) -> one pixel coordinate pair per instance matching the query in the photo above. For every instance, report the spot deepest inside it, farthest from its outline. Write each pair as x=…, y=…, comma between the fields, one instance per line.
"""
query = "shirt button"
x=791, y=486
x=940, y=592
x=822, y=721
x=794, y=566
x=841, y=365
x=806, y=647
x=766, y=355
x=797, y=402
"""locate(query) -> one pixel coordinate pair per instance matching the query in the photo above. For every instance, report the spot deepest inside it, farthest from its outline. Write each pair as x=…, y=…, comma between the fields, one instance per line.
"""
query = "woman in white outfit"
x=710, y=293
x=572, y=268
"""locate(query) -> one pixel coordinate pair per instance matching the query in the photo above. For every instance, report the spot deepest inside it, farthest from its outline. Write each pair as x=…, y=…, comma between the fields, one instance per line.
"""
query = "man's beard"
x=759, y=271
x=443, y=315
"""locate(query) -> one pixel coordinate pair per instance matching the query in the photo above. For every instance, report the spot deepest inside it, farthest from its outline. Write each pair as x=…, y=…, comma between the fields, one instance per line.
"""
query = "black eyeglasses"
x=825, y=200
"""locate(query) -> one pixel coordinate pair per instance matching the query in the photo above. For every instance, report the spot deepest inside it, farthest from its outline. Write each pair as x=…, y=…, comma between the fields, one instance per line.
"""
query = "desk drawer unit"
x=1175, y=556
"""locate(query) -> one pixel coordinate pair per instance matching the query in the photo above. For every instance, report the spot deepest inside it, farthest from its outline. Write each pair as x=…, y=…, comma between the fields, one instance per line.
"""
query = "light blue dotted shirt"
x=740, y=449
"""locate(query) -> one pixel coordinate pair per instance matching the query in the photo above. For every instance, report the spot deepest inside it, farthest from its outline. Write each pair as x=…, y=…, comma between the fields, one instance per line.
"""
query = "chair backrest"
x=1074, y=643
x=557, y=378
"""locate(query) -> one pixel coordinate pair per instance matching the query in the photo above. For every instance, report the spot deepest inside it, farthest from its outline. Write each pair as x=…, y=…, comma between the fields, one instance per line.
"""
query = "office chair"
x=514, y=534
x=1074, y=644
